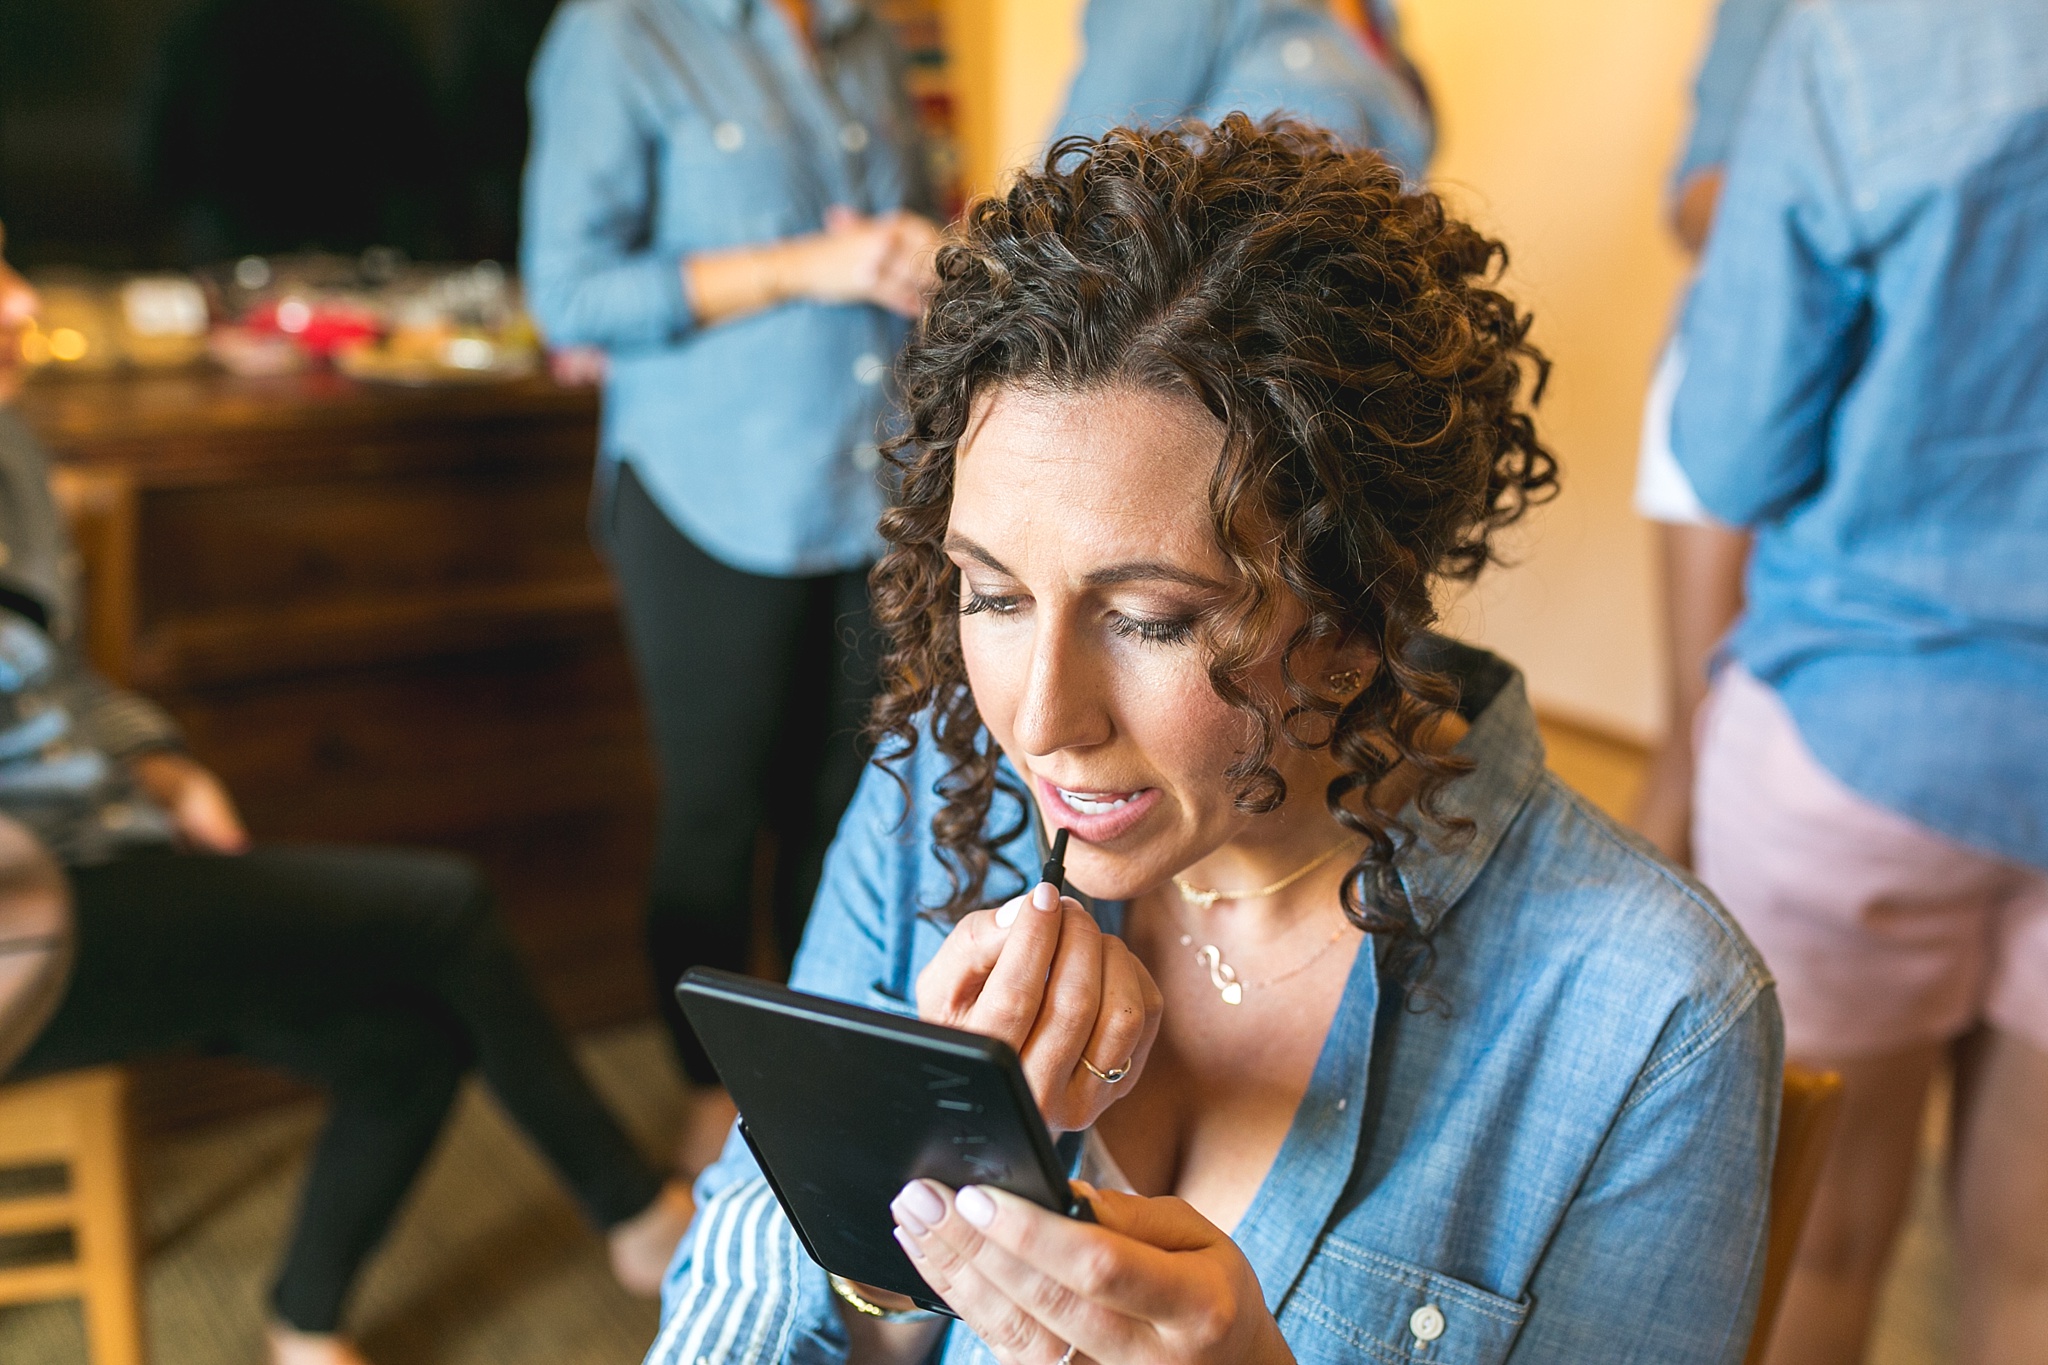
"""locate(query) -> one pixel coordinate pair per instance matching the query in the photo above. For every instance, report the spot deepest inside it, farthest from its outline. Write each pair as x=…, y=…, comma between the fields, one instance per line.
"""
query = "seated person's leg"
x=261, y=953
x=422, y=927
x=171, y=954
x=390, y=1073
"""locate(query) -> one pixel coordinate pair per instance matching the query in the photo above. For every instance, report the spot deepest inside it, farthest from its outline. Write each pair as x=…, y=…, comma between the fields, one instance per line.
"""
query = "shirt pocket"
x=734, y=179
x=1355, y=1304
x=881, y=995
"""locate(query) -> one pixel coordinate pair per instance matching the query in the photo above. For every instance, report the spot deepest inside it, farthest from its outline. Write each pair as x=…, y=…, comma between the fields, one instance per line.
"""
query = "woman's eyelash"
x=1172, y=632
x=1168, y=632
x=988, y=602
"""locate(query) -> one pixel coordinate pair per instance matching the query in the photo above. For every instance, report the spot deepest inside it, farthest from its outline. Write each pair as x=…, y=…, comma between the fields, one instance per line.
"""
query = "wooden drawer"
x=284, y=576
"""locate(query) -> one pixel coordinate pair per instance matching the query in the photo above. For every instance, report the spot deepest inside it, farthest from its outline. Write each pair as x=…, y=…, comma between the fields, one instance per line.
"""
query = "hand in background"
x=199, y=805
x=887, y=260
x=17, y=310
x=577, y=366
x=1039, y=974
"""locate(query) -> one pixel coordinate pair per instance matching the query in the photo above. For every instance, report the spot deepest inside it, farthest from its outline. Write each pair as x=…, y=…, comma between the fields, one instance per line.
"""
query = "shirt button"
x=1298, y=54
x=868, y=368
x=853, y=137
x=1427, y=1322
x=728, y=137
x=867, y=456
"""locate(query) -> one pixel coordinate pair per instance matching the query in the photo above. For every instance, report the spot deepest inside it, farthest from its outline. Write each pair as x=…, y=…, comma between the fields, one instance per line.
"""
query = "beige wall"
x=1558, y=123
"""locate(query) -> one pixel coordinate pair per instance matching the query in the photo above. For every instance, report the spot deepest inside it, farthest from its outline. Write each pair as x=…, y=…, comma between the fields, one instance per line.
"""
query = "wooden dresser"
x=378, y=616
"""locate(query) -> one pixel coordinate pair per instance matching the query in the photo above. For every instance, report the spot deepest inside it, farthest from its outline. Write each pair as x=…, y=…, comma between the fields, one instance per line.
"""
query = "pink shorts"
x=1881, y=933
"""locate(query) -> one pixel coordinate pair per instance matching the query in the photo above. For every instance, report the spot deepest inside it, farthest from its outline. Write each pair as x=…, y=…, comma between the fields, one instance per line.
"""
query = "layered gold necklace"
x=1222, y=975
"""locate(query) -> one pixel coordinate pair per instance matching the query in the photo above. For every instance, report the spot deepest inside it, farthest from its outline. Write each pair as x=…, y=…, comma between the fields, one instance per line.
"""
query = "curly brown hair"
x=1342, y=329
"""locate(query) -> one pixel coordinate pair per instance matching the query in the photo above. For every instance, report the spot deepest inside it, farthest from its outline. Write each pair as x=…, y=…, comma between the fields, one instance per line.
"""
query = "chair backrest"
x=1806, y=1124
x=78, y=1119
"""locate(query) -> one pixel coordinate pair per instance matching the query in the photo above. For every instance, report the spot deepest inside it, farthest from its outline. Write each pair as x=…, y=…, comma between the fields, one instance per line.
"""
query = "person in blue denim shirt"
x=1370, y=1039
x=1338, y=65
x=1868, y=390
x=726, y=198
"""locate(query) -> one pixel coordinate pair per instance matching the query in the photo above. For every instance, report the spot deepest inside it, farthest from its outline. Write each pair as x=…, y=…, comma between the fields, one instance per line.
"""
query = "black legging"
x=380, y=975
x=757, y=690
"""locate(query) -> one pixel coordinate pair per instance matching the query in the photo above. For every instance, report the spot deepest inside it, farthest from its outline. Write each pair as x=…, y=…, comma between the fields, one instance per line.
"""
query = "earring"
x=1346, y=680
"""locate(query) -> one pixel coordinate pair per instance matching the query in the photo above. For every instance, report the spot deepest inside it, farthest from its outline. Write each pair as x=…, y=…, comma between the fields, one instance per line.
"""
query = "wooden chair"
x=78, y=1120
x=1806, y=1123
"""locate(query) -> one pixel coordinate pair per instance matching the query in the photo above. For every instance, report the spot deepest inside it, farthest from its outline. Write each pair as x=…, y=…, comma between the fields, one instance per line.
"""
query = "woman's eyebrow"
x=1132, y=571
x=961, y=545
x=1140, y=570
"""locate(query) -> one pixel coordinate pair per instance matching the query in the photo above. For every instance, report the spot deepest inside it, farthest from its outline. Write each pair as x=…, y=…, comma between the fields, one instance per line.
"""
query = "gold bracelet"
x=868, y=1308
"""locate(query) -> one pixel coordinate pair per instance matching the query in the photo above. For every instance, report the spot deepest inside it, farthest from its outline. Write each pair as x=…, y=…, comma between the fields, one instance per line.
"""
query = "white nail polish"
x=1007, y=916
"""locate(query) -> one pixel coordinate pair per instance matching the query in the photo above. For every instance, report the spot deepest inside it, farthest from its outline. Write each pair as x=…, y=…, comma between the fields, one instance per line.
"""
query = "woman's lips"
x=1094, y=816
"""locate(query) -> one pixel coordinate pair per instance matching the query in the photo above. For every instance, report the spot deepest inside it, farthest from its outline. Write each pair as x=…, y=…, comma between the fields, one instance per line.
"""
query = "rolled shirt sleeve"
x=1742, y=32
x=592, y=276
x=1771, y=329
x=119, y=723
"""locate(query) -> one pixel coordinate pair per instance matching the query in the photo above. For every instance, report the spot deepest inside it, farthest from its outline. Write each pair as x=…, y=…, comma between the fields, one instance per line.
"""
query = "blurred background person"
x=1337, y=64
x=1701, y=559
x=135, y=918
x=727, y=197
x=1867, y=388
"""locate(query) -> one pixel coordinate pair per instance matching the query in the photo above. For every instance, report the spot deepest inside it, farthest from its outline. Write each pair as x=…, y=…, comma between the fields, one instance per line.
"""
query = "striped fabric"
x=733, y=1295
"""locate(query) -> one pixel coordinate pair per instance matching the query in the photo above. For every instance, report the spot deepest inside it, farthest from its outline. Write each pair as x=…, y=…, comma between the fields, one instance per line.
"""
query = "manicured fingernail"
x=1007, y=916
x=908, y=1244
x=976, y=1207
x=1045, y=896
x=918, y=1206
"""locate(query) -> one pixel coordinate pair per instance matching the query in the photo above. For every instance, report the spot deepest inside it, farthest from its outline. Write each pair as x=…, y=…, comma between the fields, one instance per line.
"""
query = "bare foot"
x=644, y=1244
x=704, y=1130
x=288, y=1347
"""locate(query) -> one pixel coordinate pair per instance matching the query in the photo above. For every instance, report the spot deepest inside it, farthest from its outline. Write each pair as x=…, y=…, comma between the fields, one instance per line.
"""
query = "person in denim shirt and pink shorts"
x=1867, y=388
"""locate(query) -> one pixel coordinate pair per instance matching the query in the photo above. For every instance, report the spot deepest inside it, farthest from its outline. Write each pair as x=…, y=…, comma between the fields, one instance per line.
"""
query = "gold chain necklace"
x=1222, y=975
x=1196, y=896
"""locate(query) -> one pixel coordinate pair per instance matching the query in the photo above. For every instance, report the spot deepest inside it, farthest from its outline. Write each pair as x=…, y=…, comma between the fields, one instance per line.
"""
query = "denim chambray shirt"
x=667, y=127
x=1156, y=61
x=1868, y=388
x=1569, y=1160
x=1742, y=31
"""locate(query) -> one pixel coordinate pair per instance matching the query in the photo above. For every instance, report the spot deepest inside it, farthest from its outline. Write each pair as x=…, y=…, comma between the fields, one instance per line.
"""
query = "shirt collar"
x=1439, y=866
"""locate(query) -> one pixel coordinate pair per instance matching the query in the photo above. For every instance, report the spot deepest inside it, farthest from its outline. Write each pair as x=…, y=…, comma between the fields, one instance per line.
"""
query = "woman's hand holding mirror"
x=1152, y=1282
x=1075, y=1003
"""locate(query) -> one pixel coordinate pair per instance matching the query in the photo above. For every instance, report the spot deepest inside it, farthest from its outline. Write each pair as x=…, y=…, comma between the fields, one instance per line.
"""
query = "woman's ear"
x=1345, y=670
x=1333, y=676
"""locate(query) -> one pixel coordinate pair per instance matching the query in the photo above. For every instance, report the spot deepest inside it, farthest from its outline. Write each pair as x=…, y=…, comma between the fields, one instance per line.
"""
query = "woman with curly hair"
x=1369, y=1039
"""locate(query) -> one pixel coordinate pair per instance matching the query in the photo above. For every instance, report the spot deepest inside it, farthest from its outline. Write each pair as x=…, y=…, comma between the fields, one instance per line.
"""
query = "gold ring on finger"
x=1111, y=1076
